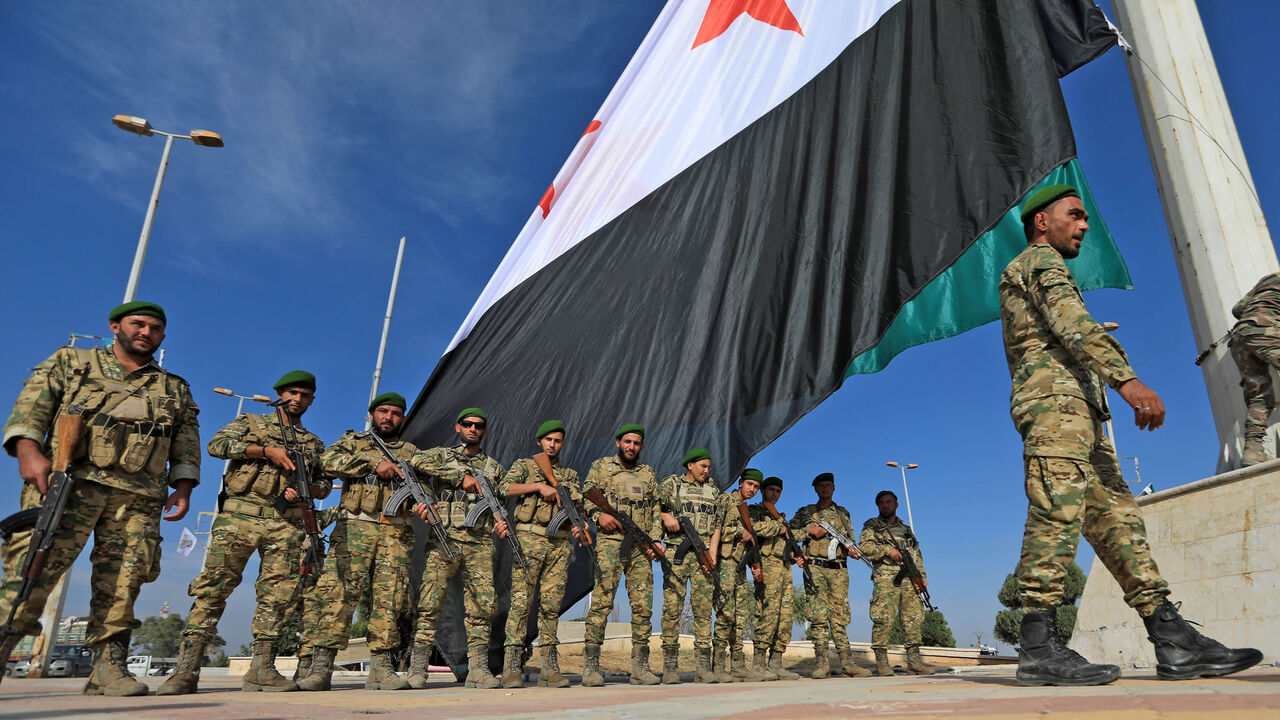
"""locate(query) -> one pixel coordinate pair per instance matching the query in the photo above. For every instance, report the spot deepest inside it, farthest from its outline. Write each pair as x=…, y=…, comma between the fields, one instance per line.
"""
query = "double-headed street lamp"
x=904, y=467
x=140, y=126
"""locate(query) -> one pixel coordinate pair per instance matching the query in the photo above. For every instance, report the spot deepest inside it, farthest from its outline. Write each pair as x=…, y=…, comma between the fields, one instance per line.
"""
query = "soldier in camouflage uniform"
x=828, y=566
x=1059, y=357
x=892, y=595
x=694, y=496
x=454, y=469
x=731, y=616
x=547, y=554
x=368, y=551
x=775, y=602
x=250, y=521
x=1255, y=346
x=141, y=438
x=631, y=487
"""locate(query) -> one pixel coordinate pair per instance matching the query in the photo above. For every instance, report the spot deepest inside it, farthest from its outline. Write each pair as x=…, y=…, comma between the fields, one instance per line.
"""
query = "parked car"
x=70, y=661
x=20, y=668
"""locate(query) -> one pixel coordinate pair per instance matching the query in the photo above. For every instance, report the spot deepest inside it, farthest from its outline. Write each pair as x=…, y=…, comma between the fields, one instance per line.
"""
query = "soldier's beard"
x=887, y=515
x=386, y=433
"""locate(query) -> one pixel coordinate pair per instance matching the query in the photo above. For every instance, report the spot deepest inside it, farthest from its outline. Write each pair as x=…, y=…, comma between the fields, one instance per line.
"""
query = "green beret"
x=389, y=398
x=771, y=481
x=629, y=428
x=547, y=427
x=823, y=477
x=296, y=378
x=137, y=307
x=1046, y=196
x=472, y=412
x=752, y=474
x=697, y=454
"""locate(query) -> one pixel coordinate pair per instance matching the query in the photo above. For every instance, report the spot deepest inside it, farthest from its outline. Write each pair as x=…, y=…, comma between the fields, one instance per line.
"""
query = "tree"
x=219, y=660
x=162, y=636
x=934, y=631
x=1008, y=626
x=364, y=608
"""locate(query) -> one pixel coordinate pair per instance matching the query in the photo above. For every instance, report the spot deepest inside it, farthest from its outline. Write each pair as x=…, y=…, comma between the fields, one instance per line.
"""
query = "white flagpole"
x=386, y=329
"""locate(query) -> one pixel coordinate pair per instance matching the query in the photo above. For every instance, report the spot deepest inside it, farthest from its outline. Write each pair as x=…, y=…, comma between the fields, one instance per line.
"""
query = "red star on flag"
x=721, y=14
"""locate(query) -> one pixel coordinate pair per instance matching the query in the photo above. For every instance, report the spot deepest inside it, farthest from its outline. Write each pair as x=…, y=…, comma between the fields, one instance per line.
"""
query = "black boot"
x=1182, y=653
x=1043, y=659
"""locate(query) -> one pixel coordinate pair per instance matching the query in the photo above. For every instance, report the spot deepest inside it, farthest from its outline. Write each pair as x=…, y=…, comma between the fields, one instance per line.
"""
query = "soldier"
x=1255, y=346
x=141, y=439
x=893, y=595
x=829, y=597
x=775, y=595
x=731, y=615
x=547, y=555
x=250, y=521
x=367, y=551
x=455, y=468
x=631, y=487
x=694, y=496
x=1058, y=357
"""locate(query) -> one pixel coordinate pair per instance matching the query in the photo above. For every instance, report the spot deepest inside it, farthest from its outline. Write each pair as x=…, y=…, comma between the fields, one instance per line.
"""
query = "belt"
x=381, y=519
x=244, y=507
x=139, y=427
x=825, y=563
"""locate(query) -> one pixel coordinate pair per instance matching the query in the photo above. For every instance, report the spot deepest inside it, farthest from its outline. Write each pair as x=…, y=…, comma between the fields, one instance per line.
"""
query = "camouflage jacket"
x=730, y=524
x=1259, y=310
x=810, y=515
x=875, y=544
x=353, y=459
x=773, y=540
x=531, y=509
x=257, y=479
x=631, y=490
x=677, y=495
x=141, y=432
x=1052, y=344
x=449, y=465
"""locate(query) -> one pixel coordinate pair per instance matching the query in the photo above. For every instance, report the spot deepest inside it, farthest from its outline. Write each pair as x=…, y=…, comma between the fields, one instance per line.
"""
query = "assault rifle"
x=650, y=547
x=409, y=486
x=841, y=539
x=568, y=512
x=750, y=558
x=490, y=501
x=313, y=553
x=692, y=542
x=909, y=569
x=791, y=549
x=44, y=522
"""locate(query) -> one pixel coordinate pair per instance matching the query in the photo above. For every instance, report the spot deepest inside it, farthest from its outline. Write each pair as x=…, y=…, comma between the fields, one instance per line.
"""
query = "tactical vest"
x=697, y=501
x=531, y=509
x=629, y=493
x=259, y=476
x=818, y=547
x=457, y=502
x=129, y=424
x=367, y=495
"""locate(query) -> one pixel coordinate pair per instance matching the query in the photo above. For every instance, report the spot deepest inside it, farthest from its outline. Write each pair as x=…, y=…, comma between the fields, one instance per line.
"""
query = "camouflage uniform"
x=367, y=550
x=731, y=616
x=249, y=522
x=889, y=600
x=632, y=491
x=1058, y=358
x=774, y=596
x=548, y=557
x=1255, y=346
x=698, y=502
x=829, y=596
x=141, y=435
x=449, y=465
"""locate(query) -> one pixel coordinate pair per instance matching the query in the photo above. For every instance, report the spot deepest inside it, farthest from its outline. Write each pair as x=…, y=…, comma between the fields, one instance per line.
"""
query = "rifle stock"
x=754, y=552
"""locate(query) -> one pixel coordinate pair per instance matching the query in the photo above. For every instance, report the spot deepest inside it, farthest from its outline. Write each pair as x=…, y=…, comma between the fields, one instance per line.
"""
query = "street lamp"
x=140, y=126
x=904, y=467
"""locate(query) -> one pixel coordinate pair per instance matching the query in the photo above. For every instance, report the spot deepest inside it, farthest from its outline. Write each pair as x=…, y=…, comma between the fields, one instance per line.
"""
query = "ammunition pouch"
x=364, y=495
x=533, y=510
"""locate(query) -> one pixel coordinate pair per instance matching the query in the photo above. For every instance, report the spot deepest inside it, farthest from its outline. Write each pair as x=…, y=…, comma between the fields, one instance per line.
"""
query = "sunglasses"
x=471, y=424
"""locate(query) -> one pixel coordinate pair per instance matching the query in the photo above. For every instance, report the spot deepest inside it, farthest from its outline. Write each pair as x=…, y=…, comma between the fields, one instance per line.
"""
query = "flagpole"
x=386, y=329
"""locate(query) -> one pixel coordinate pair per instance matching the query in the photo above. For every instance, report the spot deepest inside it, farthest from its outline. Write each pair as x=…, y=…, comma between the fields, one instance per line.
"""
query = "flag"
x=1149, y=489
x=187, y=542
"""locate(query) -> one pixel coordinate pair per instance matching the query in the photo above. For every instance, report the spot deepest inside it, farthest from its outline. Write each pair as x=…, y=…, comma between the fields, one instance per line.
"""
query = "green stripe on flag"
x=964, y=295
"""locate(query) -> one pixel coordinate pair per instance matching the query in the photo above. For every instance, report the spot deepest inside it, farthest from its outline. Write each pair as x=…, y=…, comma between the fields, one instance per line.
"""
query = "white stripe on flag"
x=186, y=543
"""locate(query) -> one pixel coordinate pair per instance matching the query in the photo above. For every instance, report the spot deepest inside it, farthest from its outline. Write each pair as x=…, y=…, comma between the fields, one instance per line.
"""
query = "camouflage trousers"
x=829, y=613
x=475, y=562
x=1255, y=354
x=364, y=556
x=1067, y=495
x=674, y=589
x=731, y=616
x=774, y=606
x=888, y=602
x=619, y=557
x=548, y=574
x=234, y=538
x=126, y=554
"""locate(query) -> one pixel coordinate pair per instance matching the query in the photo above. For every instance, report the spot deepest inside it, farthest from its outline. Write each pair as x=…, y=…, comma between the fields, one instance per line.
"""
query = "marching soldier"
x=141, y=440
x=250, y=521
x=774, y=596
x=455, y=469
x=731, y=617
x=829, y=598
x=631, y=487
x=1255, y=346
x=547, y=554
x=694, y=496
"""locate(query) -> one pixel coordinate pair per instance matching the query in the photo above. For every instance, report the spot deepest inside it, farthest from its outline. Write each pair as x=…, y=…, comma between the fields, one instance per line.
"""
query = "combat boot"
x=917, y=666
x=263, y=676
x=760, y=671
x=670, y=666
x=1043, y=659
x=419, y=657
x=186, y=674
x=702, y=671
x=741, y=673
x=883, y=668
x=304, y=664
x=822, y=663
x=720, y=665
x=320, y=673
x=1253, y=453
x=591, y=676
x=6, y=648
x=640, y=672
x=549, y=672
x=1182, y=653
x=775, y=667
x=478, y=675
x=512, y=673
x=850, y=668
x=111, y=674
x=382, y=674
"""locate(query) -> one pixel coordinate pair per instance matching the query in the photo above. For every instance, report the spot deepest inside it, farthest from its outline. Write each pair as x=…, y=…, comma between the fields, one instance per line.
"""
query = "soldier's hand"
x=802, y=562
x=670, y=523
x=1148, y=411
x=290, y=494
x=421, y=511
x=500, y=527
x=757, y=574
x=33, y=466
x=895, y=556
x=470, y=484
x=179, y=501
x=748, y=538
x=547, y=492
x=580, y=534
x=609, y=523
x=278, y=457
x=855, y=552
x=387, y=470
x=817, y=531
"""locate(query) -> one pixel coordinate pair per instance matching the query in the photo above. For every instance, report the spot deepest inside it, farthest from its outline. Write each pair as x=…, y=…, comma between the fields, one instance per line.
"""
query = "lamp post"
x=904, y=467
x=140, y=126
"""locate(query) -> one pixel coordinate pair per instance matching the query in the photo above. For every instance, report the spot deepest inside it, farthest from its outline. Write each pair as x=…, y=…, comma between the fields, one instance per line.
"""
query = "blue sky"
x=350, y=124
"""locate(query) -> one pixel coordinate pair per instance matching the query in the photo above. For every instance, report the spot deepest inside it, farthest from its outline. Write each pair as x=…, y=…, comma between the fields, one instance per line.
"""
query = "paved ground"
x=978, y=693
